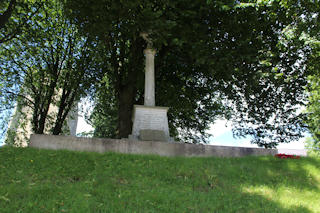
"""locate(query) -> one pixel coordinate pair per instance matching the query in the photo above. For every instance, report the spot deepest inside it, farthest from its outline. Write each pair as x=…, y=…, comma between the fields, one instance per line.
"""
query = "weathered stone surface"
x=150, y=123
x=142, y=147
x=149, y=88
x=150, y=118
x=152, y=135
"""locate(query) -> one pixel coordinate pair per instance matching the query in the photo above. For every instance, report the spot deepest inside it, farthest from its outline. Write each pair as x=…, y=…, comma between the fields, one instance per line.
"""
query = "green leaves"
x=214, y=58
x=49, y=66
x=313, y=110
x=242, y=60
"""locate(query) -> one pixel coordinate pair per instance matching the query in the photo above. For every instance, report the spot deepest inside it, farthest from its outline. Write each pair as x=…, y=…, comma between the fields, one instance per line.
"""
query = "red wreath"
x=285, y=156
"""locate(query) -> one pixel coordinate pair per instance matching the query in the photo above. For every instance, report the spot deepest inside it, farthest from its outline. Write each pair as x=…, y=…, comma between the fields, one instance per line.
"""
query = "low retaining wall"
x=142, y=147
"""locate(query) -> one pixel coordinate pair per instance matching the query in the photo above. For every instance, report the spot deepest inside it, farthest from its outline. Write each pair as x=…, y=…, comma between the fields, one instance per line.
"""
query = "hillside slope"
x=34, y=180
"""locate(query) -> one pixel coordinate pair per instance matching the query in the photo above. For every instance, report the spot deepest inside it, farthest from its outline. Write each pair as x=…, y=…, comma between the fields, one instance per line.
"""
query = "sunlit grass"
x=288, y=197
x=34, y=180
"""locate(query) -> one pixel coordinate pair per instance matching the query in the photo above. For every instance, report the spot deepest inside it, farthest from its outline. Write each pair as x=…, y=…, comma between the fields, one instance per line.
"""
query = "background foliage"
x=249, y=62
x=45, y=71
x=242, y=61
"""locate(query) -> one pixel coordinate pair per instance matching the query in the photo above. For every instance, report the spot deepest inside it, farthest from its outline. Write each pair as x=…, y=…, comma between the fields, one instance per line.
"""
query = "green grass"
x=34, y=180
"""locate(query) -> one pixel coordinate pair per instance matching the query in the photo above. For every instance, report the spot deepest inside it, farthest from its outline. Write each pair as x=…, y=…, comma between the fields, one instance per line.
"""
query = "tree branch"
x=4, y=18
x=15, y=32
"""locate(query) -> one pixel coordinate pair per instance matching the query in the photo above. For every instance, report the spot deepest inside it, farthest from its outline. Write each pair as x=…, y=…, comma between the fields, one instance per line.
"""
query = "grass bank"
x=34, y=180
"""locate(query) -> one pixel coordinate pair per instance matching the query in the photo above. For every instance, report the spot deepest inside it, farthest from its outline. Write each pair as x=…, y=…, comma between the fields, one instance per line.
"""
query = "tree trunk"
x=46, y=105
x=127, y=94
x=57, y=129
x=66, y=103
x=125, y=83
x=4, y=18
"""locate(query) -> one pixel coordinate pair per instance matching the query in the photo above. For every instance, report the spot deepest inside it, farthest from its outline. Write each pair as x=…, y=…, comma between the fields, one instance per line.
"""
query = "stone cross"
x=150, y=122
x=149, y=85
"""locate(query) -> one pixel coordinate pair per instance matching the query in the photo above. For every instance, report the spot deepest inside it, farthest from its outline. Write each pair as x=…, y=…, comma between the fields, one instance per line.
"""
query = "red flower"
x=284, y=156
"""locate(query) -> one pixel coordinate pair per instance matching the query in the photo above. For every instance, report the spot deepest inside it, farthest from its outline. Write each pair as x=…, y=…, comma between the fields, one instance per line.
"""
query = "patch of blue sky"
x=227, y=139
x=222, y=135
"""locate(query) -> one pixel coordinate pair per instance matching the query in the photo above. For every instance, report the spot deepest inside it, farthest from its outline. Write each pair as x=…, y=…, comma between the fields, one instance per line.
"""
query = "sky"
x=223, y=136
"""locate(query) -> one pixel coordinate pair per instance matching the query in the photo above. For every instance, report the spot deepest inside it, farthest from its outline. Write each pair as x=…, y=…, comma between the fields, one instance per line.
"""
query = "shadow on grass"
x=55, y=181
x=260, y=184
x=154, y=184
x=275, y=172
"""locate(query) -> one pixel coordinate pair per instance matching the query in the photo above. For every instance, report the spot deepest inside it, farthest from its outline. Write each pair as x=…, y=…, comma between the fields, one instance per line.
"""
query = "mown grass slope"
x=34, y=180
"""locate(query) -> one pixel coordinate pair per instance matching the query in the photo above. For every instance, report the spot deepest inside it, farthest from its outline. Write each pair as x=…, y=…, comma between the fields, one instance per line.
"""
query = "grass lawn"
x=34, y=180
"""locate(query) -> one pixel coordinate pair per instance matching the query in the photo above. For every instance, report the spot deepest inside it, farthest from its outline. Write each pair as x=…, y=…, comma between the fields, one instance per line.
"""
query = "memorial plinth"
x=150, y=123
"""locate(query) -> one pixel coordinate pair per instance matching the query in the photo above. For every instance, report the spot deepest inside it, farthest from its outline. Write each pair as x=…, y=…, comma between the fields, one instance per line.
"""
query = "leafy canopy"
x=244, y=61
x=45, y=71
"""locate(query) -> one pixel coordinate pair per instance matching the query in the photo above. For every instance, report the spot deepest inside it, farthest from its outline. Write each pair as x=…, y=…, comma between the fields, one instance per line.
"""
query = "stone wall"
x=142, y=147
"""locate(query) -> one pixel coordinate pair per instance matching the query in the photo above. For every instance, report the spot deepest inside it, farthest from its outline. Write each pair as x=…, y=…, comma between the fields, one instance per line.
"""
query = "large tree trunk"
x=41, y=108
x=127, y=94
x=125, y=82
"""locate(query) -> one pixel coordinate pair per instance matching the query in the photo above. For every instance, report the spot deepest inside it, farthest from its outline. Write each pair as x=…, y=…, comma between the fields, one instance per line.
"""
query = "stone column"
x=149, y=87
x=150, y=123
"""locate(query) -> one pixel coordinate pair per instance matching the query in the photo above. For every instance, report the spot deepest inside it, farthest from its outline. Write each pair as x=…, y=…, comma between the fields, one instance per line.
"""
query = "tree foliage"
x=246, y=61
x=47, y=69
x=308, y=27
x=16, y=17
x=214, y=59
x=313, y=109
